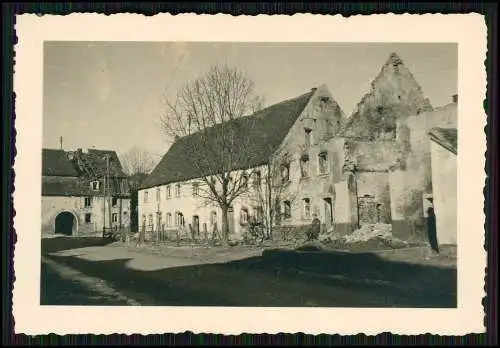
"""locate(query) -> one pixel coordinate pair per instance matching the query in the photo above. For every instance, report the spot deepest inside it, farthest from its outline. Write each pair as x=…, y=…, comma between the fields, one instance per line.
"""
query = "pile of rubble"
x=368, y=236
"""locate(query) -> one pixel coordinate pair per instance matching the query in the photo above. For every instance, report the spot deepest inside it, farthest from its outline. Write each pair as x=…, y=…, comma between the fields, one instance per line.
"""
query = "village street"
x=80, y=271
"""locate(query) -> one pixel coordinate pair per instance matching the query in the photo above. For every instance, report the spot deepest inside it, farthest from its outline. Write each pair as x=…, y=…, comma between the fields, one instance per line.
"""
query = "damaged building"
x=373, y=167
x=84, y=192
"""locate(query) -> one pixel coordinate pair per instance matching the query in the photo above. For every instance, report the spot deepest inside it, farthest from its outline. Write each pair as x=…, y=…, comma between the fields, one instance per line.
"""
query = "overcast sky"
x=110, y=95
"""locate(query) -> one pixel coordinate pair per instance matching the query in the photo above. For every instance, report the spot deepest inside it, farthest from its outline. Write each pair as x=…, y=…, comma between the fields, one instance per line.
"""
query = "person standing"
x=315, y=228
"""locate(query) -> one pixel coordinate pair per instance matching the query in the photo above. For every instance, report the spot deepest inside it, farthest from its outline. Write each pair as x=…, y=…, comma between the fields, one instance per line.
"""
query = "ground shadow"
x=275, y=279
x=52, y=245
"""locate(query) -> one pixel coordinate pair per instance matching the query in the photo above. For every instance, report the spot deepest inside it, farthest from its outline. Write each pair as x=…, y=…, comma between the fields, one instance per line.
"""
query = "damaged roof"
x=446, y=137
x=255, y=137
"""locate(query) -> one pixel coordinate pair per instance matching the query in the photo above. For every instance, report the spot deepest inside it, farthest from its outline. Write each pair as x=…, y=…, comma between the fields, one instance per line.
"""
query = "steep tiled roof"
x=446, y=137
x=56, y=163
x=256, y=138
x=62, y=176
x=99, y=162
x=61, y=188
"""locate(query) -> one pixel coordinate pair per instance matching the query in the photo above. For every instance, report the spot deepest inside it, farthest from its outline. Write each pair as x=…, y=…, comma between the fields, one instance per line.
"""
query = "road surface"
x=119, y=275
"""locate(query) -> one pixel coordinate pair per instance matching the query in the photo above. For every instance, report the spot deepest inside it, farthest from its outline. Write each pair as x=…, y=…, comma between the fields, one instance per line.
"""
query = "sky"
x=110, y=95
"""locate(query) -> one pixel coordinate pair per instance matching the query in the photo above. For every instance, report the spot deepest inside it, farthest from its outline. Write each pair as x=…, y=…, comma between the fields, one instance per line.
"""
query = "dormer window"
x=94, y=185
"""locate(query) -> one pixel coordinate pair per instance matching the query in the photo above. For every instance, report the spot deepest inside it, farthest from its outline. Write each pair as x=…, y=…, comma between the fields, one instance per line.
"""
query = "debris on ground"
x=368, y=237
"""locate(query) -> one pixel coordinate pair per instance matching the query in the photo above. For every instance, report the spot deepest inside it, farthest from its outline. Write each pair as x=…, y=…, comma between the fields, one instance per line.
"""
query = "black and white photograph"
x=185, y=173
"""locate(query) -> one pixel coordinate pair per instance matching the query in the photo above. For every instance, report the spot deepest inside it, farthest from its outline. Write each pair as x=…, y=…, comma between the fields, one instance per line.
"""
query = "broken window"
x=287, y=210
x=88, y=201
x=304, y=166
x=94, y=185
x=169, y=192
x=114, y=201
x=323, y=162
x=285, y=172
x=308, y=136
x=88, y=218
x=114, y=217
x=307, y=208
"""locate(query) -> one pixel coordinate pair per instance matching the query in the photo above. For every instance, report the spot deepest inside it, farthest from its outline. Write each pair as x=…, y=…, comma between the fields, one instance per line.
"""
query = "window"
x=150, y=219
x=304, y=166
x=285, y=172
x=256, y=178
x=244, y=181
x=146, y=198
x=114, y=201
x=308, y=136
x=88, y=218
x=243, y=216
x=169, y=192
x=178, y=190
x=88, y=201
x=323, y=163
x=114, y=217
x=158, y=194
x=287, y=210
x=196, y=188
x=94, y=185
x=179, y=219
x=169, y=219
x=307, y=208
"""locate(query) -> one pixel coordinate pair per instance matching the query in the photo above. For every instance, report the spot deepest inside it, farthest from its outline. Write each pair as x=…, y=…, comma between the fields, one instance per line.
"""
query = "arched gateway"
x=65, y=223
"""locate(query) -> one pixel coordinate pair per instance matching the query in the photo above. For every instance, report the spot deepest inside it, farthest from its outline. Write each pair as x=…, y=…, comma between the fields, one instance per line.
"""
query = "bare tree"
x=271, y=189
x=137, y=161
x=208, y=117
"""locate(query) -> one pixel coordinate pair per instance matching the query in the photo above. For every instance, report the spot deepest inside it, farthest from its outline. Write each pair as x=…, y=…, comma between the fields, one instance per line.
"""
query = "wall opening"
x=65, y=223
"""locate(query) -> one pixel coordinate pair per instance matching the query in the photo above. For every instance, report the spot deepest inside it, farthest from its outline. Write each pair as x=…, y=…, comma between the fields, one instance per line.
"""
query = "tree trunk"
x=225, y=223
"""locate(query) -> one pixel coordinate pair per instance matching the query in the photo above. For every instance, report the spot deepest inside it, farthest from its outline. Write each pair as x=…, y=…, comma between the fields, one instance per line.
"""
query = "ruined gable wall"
x=394, y=95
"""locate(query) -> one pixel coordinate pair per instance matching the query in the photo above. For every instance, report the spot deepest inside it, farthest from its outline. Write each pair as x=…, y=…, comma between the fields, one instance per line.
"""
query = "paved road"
x=120, y=275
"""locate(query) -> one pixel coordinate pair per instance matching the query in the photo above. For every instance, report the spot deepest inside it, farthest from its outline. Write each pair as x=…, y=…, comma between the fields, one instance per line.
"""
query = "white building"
x=301, y=131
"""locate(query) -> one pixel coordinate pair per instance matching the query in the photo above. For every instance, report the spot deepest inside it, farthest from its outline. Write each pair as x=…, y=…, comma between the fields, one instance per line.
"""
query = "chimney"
x=454, y=98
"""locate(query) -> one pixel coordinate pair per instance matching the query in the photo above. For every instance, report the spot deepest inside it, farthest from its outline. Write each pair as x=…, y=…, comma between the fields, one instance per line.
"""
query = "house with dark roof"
x=299, y=135
x=83, y=192
x=443, y=147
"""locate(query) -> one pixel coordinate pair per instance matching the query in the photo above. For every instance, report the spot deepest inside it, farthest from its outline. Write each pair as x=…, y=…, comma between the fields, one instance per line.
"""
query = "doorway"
x=328, y=212
x=196, y=225
x=65, y=223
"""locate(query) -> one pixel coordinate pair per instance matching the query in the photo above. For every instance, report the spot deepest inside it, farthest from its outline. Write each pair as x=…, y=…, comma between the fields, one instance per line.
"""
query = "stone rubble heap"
x=368, y=232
